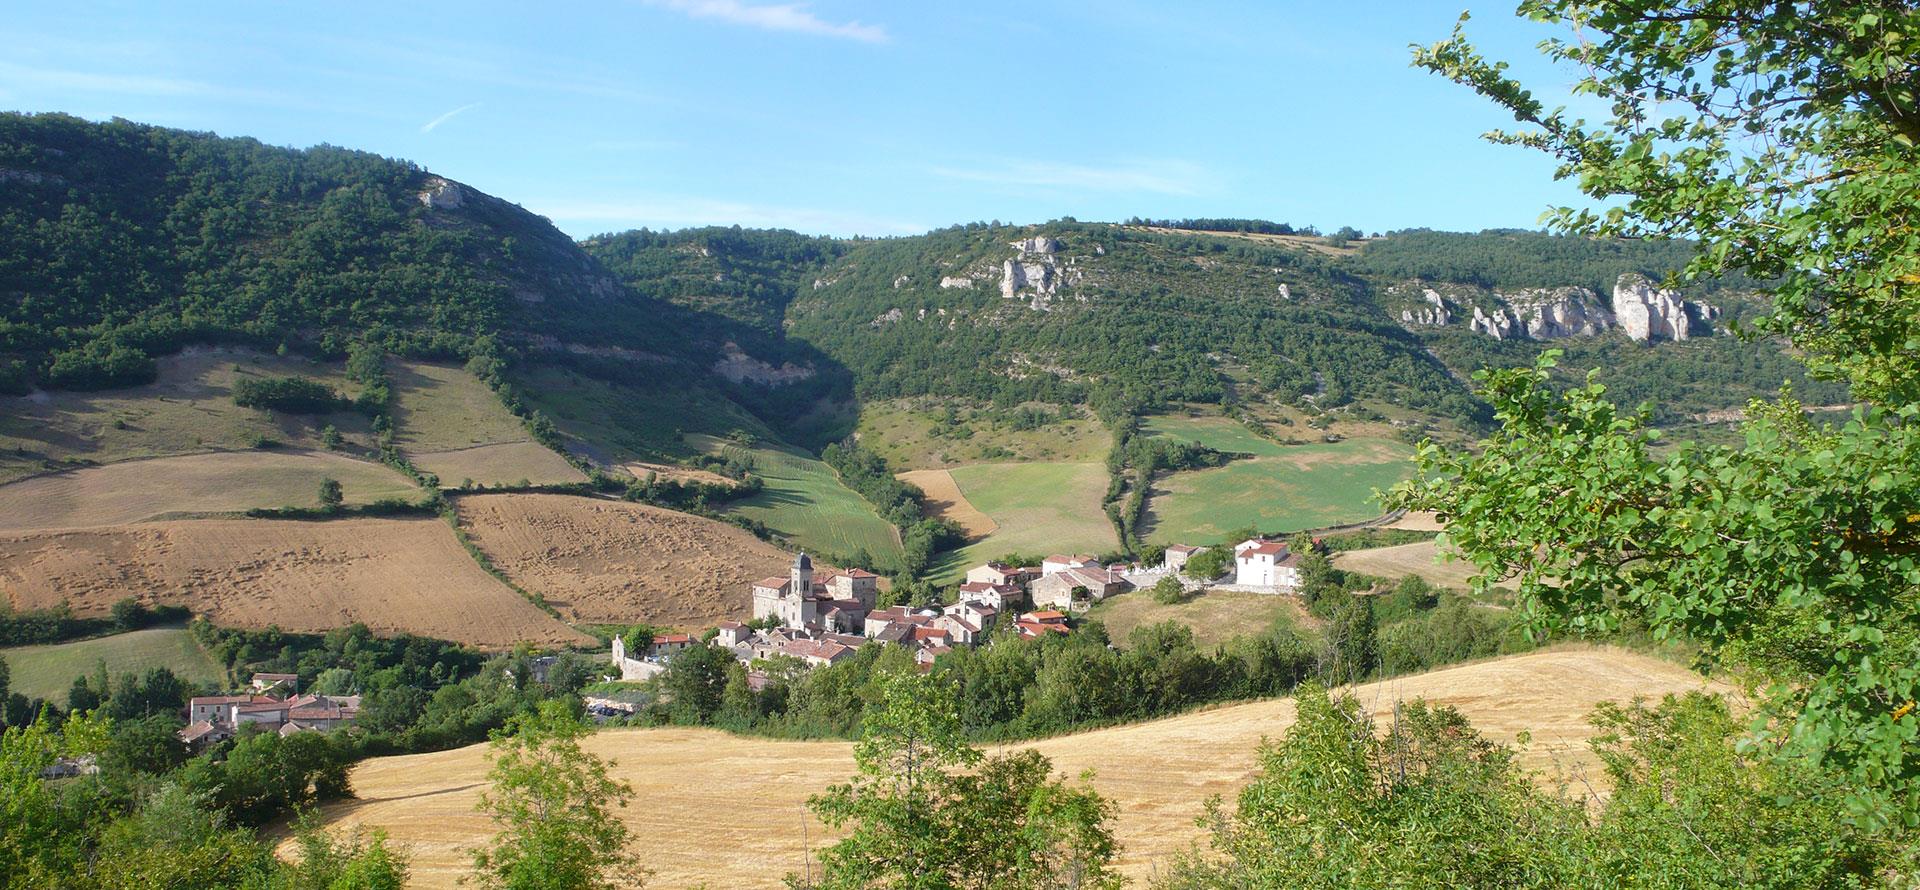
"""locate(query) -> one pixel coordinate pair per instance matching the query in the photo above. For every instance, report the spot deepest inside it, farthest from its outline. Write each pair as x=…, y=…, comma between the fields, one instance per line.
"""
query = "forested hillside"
x=125, y=242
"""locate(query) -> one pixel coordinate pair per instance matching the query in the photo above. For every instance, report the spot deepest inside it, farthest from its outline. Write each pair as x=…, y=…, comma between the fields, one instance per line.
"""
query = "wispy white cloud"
x=581, y=218
x=434, y=124
x=1166, y=177
x=24, y=76
x=774, y=17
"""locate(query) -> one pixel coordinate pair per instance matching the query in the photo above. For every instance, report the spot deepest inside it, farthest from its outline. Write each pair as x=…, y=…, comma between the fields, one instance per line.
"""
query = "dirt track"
x=729, y=811
x=394, y=575
x=611, y=561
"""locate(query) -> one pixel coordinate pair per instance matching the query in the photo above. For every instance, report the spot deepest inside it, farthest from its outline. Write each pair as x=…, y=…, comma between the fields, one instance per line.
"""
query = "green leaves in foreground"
x=1796, y=556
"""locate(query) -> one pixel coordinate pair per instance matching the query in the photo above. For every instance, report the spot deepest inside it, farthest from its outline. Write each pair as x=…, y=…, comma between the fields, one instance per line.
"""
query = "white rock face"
x=886, y=318
x=1548, y=313
x=1038, y=244
x=442, y=194
x=952, y=281
x=1435, y=314
x=1285, y=294
x=1649, y=313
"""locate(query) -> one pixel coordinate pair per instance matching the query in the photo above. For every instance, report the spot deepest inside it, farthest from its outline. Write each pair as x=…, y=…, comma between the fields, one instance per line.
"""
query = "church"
x=837, y=602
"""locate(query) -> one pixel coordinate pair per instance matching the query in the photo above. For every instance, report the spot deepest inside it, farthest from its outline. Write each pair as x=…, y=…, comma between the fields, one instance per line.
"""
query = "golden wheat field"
x=730, y=811
x=394, y=575
x=610, y=561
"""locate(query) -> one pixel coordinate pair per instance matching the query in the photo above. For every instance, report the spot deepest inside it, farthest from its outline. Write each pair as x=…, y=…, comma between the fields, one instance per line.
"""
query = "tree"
x=1209, y=564
x=696, y=681
x=331, y=496
x=1353, y=649
x=1783, y=138
x=553, y=803
x=1168, y=591
x=915, y=820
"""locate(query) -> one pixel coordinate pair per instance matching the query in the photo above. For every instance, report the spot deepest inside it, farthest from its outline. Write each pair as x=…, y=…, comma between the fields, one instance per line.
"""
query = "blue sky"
x=835, y=116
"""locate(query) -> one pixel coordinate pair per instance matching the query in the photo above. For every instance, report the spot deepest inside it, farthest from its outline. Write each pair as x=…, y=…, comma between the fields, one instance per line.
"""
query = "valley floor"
x=730, y=810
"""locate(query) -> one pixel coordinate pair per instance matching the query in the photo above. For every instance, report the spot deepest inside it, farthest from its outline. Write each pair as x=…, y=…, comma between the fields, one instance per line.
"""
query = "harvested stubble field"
x=600, y=560
x=48, y=671
x=394, y=575
x=450, y=424
x=944, y=501
x=729, y=810
x=136, y=490
x=1418, y=558
x=1038, y=508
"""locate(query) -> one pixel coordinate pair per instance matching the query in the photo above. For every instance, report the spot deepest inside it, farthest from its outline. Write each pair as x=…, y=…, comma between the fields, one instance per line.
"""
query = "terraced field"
x=1281, y=488
x=137, y=490
x=188, y=410
x=394, y=575
x=1037, y=508
x=1159, y=774
x=448, y=423
x=805, y=501
x=47, y=671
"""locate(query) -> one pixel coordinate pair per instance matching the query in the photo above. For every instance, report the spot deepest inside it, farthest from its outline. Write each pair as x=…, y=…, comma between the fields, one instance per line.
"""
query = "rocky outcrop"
x=739, y=367
x=948, y=282
x=1649, y=313
x=1434, y=315
x=901, y=282
x=442, y=194
x=1037, y=272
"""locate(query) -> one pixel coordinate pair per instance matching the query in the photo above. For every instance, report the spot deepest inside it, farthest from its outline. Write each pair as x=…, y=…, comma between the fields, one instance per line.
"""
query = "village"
x=821, y=618
x=813, y=619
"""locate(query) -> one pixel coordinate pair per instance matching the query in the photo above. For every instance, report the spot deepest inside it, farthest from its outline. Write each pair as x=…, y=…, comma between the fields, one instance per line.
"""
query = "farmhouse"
x=1039, y=624
x=1261, y=563
x=1056, y=564
x=1056, y=590
x=999, y=596
x=212, y=718
x=1000, y=574
x=1177, y=556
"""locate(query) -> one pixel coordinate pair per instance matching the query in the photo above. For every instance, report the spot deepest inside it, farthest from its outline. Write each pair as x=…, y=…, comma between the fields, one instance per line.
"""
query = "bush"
x=1169, y=591
x=293, y=395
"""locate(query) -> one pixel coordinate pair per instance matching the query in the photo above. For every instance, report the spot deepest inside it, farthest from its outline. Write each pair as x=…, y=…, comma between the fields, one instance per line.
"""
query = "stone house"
x=1056, y=591
x=1259, y=563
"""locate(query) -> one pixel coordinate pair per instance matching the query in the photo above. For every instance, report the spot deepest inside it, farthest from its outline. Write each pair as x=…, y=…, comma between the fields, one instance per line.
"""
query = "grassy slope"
x=1039, y=507
x=805, y=501
x=615, y=424
x=47, y=671
x=1215, y=617
x=188, y=410
x=903, y=432
x=1283, y=487
x=450, y=424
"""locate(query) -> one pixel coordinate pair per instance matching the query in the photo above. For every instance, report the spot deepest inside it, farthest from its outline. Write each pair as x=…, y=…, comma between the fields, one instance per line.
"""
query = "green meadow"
x=1040, y=508
x=805, y=501
x=48, y=671
x=1281, y=488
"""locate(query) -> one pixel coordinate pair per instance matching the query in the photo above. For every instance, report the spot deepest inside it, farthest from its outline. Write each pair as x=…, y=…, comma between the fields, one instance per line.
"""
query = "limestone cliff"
x=1649, y=313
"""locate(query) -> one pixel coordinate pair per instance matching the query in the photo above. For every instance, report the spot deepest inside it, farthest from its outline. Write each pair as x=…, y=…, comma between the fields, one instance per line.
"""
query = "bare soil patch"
x=600, y=560
x=945, y=501
x=727, y=810
x=674, y=473
x=394, y=575
x=132, y=491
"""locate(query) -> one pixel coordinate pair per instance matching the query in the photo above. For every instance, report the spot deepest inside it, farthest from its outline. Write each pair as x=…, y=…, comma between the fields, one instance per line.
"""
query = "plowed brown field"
x=394, y=575
x=730, y=811
x=612, y=561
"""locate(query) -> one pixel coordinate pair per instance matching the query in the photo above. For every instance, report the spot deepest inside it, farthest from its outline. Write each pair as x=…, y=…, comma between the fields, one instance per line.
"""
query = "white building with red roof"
x=1263, y=563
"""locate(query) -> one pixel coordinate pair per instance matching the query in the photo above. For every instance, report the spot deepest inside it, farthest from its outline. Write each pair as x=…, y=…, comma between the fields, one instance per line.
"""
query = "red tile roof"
x=1268, y=548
